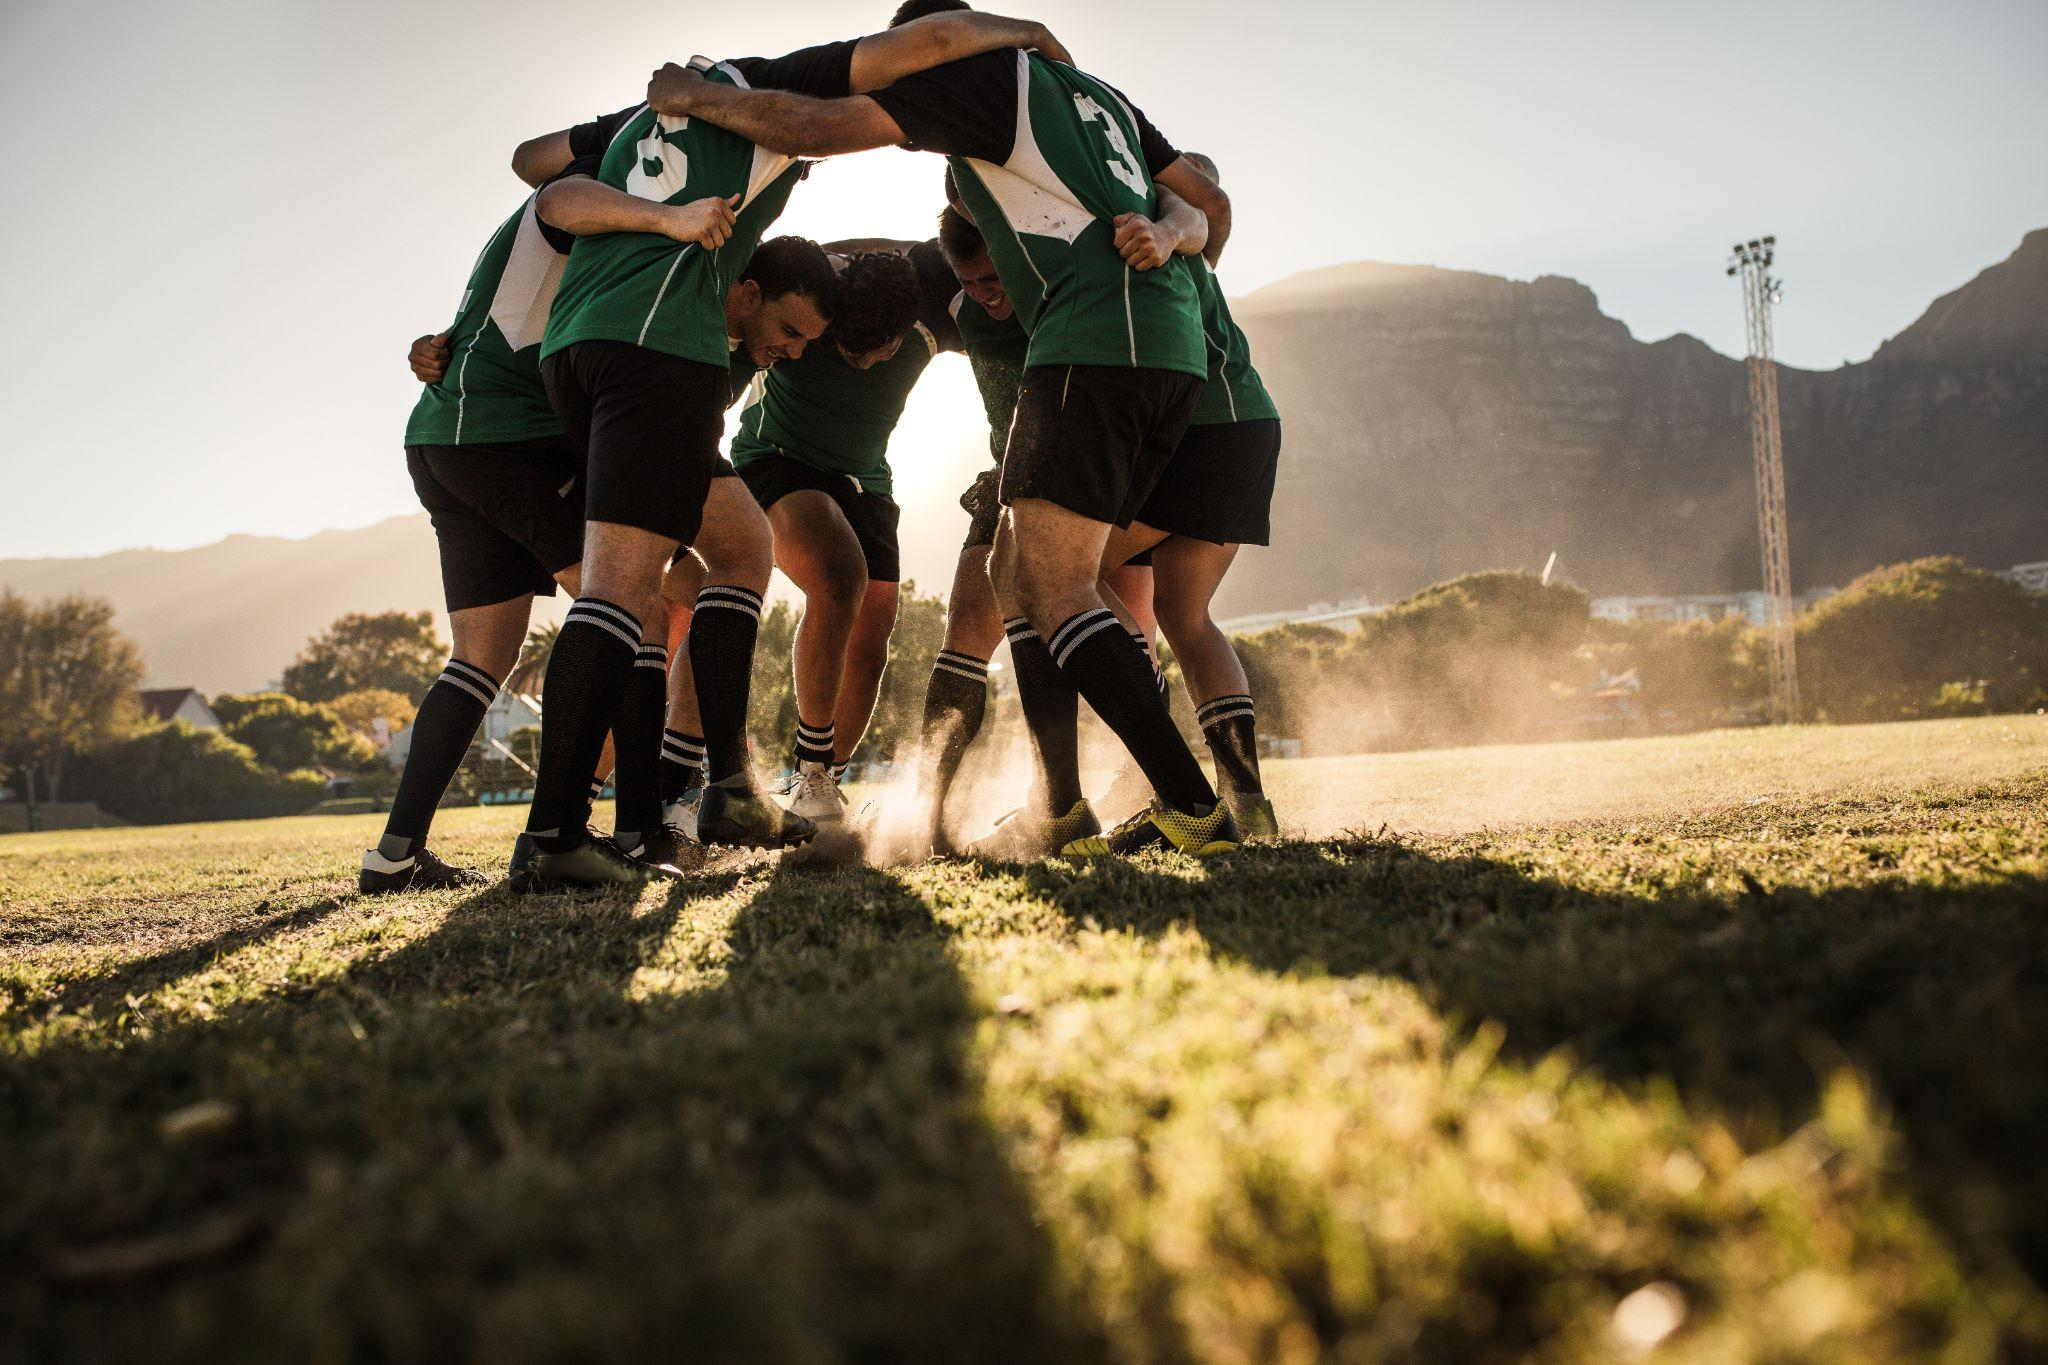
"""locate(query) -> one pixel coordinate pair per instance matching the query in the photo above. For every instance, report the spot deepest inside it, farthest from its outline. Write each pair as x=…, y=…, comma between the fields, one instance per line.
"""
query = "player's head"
x=782, y=301
x=876, y=305
x=953, y=198
x=918, y=9
x=967, y=253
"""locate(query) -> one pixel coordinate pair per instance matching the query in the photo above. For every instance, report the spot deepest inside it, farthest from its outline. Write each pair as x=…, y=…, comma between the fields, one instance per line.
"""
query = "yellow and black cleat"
x=1158, y=826
x=1026, y=834
x=1255, y=818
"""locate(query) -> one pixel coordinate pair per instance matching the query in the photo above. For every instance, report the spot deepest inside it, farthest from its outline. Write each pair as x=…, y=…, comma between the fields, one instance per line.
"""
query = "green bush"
x=1929, y=638
x=287, y=733
x=167, y=773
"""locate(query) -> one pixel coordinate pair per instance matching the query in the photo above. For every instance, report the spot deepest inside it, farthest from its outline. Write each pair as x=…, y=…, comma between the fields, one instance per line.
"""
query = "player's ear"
x=745, y=297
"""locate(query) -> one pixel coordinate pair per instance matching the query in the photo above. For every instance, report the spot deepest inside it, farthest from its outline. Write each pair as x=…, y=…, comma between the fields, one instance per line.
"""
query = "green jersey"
x=996, y=349
x=822, y=411
x=669, y=296
x=1046, y=158
x=1234, y=393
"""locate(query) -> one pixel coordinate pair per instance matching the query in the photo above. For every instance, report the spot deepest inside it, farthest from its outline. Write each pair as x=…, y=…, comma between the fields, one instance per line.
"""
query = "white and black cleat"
x=422, y=871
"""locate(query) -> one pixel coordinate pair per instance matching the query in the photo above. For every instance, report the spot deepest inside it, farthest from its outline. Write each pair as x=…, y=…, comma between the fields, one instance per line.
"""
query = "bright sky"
x=227, y=218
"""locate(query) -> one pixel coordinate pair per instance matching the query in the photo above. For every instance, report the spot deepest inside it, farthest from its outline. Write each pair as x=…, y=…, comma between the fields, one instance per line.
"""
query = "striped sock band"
x=471, y=679
x=731, y=598
x=962, y=665
x=652, y=656
x=682, y=764
x=613, y=620
x=1017, y=628
x=596, y=788
x=1158, y=667
x=814, y=742
x=1223, y=708
x=1082, y=625
x=838, y=771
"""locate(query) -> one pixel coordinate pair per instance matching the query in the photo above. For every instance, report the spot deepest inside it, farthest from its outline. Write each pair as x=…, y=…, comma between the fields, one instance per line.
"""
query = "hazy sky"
x=227, y=218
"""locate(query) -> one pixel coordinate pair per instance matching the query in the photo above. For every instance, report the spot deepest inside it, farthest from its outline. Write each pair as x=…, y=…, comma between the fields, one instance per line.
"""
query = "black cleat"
x=667, y=852
x=1160, y=826
x=596, y=862
x=1028, y=833
x=382, y=876
x=743, y=817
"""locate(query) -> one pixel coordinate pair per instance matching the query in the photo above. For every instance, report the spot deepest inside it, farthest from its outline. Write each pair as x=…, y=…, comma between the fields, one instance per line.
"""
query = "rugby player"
x=1116, y=362
x=635, y=359
x=813, y=445
x=491, y=464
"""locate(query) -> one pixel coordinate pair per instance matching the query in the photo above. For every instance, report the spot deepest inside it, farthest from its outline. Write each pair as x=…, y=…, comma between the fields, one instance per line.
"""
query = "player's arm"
x=882, y=59
x=1146, y=243
x=584, y=207
x=779, y=120
x=1188, y=181
x=540, y=159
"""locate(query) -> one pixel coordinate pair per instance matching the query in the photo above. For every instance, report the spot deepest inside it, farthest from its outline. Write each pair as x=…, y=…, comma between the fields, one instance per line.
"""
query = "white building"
x=1746, y=606
x=179, y=703
x=509, y=713
x=2032, y=577
x=1337, y=615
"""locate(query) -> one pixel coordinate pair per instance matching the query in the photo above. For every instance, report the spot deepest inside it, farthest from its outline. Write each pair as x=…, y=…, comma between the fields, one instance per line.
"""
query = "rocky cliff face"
x=1440, y=422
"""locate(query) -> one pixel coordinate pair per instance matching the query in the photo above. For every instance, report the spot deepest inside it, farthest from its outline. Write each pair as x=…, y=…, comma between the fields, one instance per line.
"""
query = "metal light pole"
x=1751, y=263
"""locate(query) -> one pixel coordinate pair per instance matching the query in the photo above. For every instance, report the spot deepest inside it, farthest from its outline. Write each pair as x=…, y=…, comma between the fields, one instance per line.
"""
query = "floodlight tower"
x=1751, y=263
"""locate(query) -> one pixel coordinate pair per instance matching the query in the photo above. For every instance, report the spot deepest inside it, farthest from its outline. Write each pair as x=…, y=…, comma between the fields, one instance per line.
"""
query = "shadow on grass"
x=549, y=1128
x=1744, y=1001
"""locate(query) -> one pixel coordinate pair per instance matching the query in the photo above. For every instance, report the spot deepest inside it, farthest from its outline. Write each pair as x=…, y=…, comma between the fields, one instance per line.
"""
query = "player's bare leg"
x=1188, y=572
x=819, y=552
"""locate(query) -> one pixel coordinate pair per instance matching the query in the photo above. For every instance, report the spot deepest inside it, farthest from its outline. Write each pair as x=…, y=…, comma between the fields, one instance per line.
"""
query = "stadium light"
x=1760, y=293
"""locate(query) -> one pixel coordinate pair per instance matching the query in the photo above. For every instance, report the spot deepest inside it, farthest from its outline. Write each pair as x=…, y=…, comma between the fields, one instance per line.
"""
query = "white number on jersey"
x=1124, y=165
x=660, y=165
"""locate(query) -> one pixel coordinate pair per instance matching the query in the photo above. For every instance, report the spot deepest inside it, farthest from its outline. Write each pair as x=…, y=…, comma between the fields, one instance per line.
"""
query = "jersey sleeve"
x=1152, y=144
x=590, y=139
x=964, y=108
x=583, y=165
x=825, y=71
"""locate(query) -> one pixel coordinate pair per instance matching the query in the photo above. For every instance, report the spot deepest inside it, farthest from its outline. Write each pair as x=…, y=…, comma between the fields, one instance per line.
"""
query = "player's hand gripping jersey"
x=1046, y=158
x=492, y=391
x=649, y=290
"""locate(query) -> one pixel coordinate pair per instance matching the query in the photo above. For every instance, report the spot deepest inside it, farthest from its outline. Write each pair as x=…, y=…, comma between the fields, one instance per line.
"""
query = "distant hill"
x=1440, y=421
x=231, y=615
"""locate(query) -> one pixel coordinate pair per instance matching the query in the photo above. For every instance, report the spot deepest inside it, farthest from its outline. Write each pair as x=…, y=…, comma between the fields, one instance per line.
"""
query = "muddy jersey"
x=996, y=349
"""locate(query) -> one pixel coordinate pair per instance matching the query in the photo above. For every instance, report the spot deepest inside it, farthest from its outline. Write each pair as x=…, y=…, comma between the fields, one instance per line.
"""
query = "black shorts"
x=1219, y=487
x=1095, y=438
x=507, y=517
x=984, y=506
x=649, y=426
x=873, y=517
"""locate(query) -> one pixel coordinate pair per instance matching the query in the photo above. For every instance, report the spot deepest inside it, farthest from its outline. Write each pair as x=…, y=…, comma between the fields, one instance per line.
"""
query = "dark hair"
x=958, y=238
x=794, y=265
x=918, y=9
x=877, y=301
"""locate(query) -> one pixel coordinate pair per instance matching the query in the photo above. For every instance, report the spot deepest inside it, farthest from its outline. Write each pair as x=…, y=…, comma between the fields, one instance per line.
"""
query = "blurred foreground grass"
x=1745, y=1063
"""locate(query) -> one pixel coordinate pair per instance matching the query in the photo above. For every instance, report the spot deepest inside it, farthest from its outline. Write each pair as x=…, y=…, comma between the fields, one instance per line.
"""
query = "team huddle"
x=570, y=428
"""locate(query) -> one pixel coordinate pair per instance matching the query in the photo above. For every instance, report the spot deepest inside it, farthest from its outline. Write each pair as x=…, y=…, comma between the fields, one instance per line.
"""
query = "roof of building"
x=162, y=703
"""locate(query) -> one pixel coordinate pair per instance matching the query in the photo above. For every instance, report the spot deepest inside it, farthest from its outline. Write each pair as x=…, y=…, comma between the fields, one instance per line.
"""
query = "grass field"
x=1711, y=1049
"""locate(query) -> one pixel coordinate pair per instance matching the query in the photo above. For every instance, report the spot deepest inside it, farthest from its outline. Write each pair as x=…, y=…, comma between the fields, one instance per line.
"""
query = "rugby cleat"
x=1253, y=812
x=596, y=862
x=815, y=796
x=679, y=816
x=741, y=816
x=666, y=851
x=381, y=876
x=1159, y=826
x=1030, y=834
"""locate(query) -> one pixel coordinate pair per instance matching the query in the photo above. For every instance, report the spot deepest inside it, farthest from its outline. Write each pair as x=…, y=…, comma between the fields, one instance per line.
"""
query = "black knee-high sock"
x=955, y=704
x=1052, y=713
x=682, y=764
x=1158, y=668
x=587, y=676
x=449, y=714
x=1231, y=727
x=722, y=658
x=636, y=735
x=1116, y=678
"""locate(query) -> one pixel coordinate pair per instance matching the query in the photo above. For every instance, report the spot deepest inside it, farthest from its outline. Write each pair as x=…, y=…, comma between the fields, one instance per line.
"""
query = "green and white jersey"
x=650, y=290
x=492, y=391
x=1046, y=158
x=822, y=411
x=996, y=350
x=1234, y=393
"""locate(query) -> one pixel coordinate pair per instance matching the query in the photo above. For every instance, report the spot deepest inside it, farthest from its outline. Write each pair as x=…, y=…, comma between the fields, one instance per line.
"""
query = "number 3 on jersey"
x=660, y=167
x=1124, y=166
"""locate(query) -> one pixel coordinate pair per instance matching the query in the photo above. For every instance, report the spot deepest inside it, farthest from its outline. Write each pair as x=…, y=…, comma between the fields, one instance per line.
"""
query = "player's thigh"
x=491, y=636
x=734, y=543
x=1186, y=574
x=1052, y=547
x=816, y=546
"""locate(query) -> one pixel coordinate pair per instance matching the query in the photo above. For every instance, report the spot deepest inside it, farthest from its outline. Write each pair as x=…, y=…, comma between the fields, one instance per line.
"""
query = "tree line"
x=1488, y=657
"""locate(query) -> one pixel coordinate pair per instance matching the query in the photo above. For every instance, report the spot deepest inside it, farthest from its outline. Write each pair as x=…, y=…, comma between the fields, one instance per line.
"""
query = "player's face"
x=870, y=359
x=978, y=277
x=779, y=329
